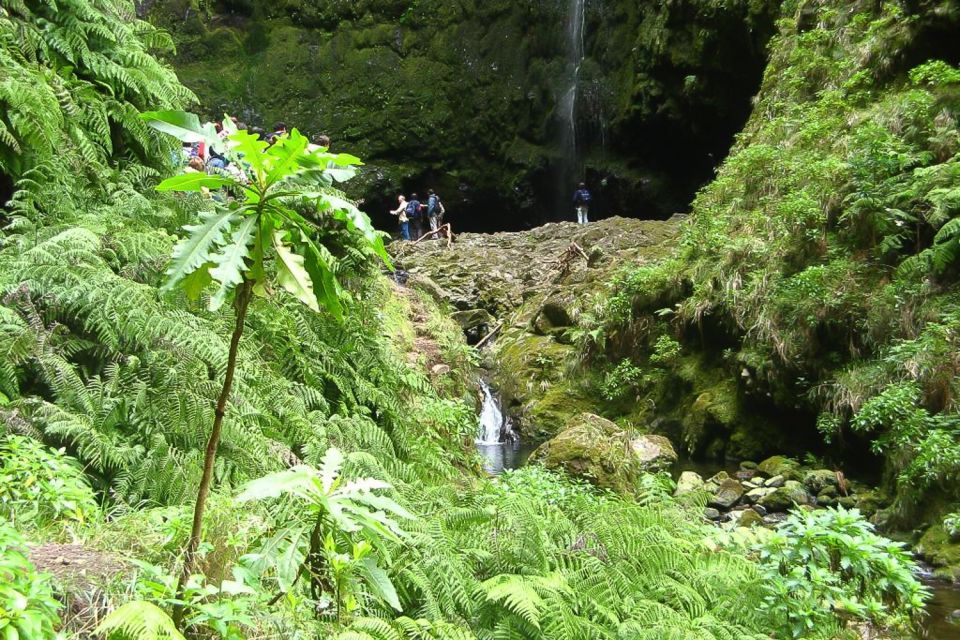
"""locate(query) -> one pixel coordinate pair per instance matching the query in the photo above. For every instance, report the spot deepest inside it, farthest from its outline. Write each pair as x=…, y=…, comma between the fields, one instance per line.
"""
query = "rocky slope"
x=534, y=288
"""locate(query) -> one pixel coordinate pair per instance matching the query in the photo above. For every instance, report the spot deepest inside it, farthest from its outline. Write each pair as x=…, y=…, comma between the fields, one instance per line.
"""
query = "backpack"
x=583, y=196
x=413, y=208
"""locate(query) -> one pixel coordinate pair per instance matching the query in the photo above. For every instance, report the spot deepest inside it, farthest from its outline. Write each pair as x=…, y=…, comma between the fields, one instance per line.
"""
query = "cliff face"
x=463, y=97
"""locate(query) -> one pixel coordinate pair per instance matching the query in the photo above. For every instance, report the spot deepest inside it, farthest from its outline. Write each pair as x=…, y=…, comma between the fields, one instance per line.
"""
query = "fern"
x=138, y=621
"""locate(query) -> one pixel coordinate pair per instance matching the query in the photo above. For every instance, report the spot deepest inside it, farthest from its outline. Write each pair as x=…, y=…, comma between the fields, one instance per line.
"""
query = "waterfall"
x=568, y=103
x=494, y=426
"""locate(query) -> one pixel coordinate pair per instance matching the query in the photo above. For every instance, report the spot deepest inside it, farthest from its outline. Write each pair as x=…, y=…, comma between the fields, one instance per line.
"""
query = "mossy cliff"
x=463, y=96
x=813, y=298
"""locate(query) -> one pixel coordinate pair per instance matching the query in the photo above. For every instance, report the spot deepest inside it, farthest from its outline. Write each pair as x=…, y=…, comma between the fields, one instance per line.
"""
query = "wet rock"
x=719, y=477
x=750, y=518
x=745, y=474
x=747, y=465
x=654, y=453
x=473, y=319
x=759, y=509
x=848, y=502
x=688, y=482
x=785, y=497
x=774, y=519
x=727, y=495
x=816, y=481
x=780, y=466
x=775, y=482
x=438, y=370
x=711, y=514
x=755, y=495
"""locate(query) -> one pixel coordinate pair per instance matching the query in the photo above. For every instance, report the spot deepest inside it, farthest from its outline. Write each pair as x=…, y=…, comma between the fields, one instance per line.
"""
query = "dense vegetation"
x=345, y=498
x=816, y=280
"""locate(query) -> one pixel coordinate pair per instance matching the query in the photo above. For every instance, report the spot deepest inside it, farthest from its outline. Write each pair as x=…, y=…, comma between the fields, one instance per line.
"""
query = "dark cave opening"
x=647, y=163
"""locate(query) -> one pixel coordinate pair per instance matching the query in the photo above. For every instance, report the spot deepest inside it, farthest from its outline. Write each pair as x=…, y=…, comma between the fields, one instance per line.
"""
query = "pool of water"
x=939, y=623
x=503, y=456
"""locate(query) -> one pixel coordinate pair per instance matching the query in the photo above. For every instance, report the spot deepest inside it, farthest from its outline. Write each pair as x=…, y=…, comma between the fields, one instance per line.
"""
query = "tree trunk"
x=241, y=302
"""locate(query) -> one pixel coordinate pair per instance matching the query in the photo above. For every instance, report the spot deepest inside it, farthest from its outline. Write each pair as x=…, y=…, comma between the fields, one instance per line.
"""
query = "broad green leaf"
x=199, y=245
x=193, y=182
x=291, y=273
x=298, y=480
x=252, y=148
x=324, y=281
x=181, y=125
x=380, y=583
x=230, y=263
x=194, y=284
x=330, y=468
x=285, y=155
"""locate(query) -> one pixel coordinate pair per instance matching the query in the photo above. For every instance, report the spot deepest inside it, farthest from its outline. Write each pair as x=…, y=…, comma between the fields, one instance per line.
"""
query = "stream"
x=502, y=450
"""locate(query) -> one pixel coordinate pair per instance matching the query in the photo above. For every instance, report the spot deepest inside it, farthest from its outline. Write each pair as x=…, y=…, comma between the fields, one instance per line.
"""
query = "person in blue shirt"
x=581, y=201
x=433, y=210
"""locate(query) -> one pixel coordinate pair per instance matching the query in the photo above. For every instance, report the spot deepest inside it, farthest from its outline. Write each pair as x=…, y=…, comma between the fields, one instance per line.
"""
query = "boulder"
x=817, y=480
x=774, y=519
x=745, y=474
x=727, y=495
x=654, y=453
x=785, y=497
x=688, y=482
x=711, y=514
x=750, y=518
x=755, y=495
x=719, y=477
x=592, y=448
x=473, y=319
x=780, y=466
x=775, y=482
x=748, y=465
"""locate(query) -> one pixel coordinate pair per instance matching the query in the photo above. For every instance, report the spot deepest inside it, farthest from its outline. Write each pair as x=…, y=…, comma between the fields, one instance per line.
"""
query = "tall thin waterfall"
x=493, y=424
x=568, y=102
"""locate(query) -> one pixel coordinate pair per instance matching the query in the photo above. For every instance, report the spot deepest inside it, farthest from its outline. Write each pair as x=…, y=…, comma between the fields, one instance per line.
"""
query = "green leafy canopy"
x=279, y=194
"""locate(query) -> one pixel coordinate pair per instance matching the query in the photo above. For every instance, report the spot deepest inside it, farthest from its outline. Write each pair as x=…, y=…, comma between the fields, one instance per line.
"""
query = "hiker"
x=413, y=214
x=401, y=211
x=581, y=200
x=434, y=209
x=279, y=129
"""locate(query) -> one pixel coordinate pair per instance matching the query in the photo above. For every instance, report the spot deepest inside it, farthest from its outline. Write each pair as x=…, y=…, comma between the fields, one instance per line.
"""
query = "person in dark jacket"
x=581, y=201
x=433, y=210
x=413, y=214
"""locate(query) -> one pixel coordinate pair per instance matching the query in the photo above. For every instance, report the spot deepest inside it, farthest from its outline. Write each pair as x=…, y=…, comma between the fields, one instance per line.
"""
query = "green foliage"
x=331, y=512
x=826, y=251
x=76, y=75
x=234, y=243
x=824, y=567
x=28, y=609
x=40, y=487
x=138, y=620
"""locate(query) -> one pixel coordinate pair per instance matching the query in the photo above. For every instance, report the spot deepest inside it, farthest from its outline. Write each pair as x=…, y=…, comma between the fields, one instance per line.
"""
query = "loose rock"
x=727, y=495
x=688, y=482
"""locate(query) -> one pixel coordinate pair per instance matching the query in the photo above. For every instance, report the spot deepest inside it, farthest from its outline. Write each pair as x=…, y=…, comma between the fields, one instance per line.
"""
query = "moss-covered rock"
x=938, y=549
x=786, y=497
x=593, y=448
x=780, y=466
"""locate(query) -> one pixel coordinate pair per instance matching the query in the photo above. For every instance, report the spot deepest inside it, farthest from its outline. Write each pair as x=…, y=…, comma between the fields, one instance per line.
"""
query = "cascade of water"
x=494, y=426
x=568, y=103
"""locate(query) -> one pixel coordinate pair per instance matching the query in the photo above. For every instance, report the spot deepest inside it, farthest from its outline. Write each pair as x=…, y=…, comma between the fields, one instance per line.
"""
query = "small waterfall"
x=494, y=426
x=568, y=103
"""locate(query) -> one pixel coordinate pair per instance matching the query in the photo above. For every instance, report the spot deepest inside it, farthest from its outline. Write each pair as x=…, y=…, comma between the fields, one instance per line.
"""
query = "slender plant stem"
x=241, y=303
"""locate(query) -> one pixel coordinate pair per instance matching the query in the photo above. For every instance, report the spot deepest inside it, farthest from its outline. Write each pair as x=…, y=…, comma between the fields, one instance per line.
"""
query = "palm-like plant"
x=332, y=507
x=235, y=243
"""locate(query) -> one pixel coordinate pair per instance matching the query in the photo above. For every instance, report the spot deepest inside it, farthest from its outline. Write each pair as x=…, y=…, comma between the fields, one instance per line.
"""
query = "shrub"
x=40, y=486
x=825, y=566
x=28, y=610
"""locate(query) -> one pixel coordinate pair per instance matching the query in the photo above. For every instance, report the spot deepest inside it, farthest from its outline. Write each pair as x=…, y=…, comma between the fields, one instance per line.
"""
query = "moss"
x=593, y=448
x=936, y=548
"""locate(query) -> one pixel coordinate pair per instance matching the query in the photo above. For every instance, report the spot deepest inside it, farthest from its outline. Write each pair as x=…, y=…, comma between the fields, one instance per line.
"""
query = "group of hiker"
x=200, y=157
x=413, y=214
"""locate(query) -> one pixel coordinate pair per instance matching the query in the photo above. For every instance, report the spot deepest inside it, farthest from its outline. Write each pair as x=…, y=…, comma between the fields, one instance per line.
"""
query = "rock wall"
x=462, y=96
